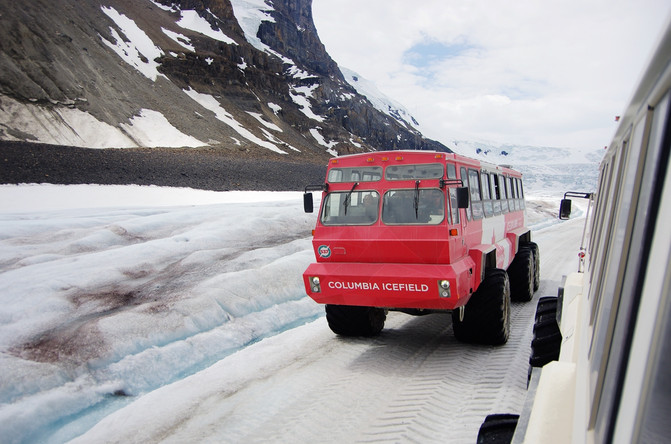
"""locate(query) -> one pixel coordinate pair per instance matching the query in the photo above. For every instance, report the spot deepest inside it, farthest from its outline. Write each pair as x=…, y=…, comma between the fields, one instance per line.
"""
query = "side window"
x=485, y=186
x=454, y=209
x=464, y=178
x=451, y=171
x=335, y=175
x=512, y=203
x=486, y=197
x=504, y=193
x=412, y=172
x=496, y=193
x=355, y=174
x=476, y=199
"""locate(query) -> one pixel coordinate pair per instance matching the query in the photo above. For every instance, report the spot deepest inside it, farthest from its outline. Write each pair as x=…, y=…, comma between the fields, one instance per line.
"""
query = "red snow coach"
x=421, y=232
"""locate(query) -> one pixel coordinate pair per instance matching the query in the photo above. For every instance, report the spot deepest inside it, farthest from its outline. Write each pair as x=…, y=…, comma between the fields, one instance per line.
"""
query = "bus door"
x=456, y=223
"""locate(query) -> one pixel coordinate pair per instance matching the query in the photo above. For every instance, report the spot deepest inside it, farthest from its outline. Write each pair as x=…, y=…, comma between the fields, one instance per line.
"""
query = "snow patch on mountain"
x=180, y=39
x=59, y=126
x=300, y=96
x=211, y=103
x=139, y=51
x=322, y=141
x=154, y=129
x=192, y=21
x=73, y=127
x=250, y=14
x=381, y=102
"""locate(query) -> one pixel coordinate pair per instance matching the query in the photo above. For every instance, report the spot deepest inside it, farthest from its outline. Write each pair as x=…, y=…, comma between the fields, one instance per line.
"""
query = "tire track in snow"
x=431, y=388
x=453, y=375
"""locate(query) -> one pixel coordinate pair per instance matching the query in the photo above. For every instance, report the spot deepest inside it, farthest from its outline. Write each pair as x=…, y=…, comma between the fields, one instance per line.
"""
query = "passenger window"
x=511, y=194
x=485, y=186
x=413, y=172
x=504, y=193
x=451, y=171
x=454, y=208
x=496, y=193
x=476, y=200
x=486, y=198
x=356, y=174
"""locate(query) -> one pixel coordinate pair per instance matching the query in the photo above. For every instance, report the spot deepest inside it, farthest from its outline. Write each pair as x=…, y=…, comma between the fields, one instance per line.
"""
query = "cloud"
x=547, y=73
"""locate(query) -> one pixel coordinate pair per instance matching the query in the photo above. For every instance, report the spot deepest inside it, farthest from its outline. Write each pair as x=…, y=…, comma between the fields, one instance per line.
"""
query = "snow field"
x=123, y=300
x=110, y=292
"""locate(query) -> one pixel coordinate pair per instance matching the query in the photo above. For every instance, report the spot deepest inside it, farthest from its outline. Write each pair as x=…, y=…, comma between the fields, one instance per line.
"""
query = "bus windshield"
x=358, y=207
x=418, y=206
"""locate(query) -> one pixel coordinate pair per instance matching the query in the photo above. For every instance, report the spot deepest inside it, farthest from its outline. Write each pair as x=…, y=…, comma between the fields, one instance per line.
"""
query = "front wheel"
x=349, y=320
x=486, y=319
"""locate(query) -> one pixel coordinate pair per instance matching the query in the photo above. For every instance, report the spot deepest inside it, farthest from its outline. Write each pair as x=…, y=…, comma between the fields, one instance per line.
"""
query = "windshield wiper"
x=417, y=200
x=349, y=197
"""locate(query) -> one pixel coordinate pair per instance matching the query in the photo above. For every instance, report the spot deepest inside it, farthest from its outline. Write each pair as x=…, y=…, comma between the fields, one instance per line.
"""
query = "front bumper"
x=420, y=286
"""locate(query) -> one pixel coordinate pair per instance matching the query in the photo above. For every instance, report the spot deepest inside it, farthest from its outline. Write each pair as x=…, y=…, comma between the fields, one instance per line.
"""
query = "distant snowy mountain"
x=545, y=169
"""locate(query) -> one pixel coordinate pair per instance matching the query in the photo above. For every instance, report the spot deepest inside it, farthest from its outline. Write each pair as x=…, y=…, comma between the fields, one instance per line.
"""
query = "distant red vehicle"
x=420, y=232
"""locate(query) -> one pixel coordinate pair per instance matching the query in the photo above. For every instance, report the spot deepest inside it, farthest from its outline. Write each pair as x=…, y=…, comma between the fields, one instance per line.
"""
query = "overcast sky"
x=536, y=72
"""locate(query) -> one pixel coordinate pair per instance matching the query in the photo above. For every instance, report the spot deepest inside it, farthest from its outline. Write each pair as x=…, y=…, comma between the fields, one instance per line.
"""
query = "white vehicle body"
x=612, y=381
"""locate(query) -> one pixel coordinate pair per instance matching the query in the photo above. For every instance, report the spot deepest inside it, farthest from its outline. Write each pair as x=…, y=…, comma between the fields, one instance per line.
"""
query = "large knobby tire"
x=486, y=319
x=547, y=338
x=498, y=429
x=347, y=320
x=521, y=272
x=537, y=264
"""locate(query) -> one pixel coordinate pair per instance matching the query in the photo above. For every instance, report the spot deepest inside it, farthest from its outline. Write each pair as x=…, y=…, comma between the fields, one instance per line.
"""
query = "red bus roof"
x=409, y=157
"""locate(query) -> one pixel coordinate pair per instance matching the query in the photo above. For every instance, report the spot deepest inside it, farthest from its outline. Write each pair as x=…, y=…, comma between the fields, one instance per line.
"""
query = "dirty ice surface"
x=109, y=292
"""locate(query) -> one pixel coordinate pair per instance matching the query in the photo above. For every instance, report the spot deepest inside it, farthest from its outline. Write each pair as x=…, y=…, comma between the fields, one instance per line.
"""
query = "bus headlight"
x=444, y=288
x=314, y=283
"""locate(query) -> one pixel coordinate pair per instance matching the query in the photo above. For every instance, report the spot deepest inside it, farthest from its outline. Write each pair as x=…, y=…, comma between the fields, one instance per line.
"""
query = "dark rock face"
x=294, y=35
x=57, y=55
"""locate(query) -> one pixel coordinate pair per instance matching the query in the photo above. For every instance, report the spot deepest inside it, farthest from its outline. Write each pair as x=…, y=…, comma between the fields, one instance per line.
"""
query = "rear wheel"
x=348, y=320
x=537, y=264
x=521, y=272
x=486, y=319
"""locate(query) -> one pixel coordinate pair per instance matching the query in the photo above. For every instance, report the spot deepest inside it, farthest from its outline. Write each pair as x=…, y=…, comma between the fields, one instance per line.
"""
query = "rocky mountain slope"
x=240, y=77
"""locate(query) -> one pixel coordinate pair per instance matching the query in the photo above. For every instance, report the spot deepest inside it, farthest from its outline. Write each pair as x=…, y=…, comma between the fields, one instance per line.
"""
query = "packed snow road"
x=413, y=383
x=178, y=354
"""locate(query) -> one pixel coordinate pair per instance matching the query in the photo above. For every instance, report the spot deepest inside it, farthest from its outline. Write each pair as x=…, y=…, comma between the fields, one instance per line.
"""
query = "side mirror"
x=565, y=209
x=462, y=197
x=308, y=204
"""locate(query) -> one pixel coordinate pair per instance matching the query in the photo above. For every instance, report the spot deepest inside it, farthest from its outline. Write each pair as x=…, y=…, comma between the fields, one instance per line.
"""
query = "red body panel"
x=391, y=285
x=382, y=264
